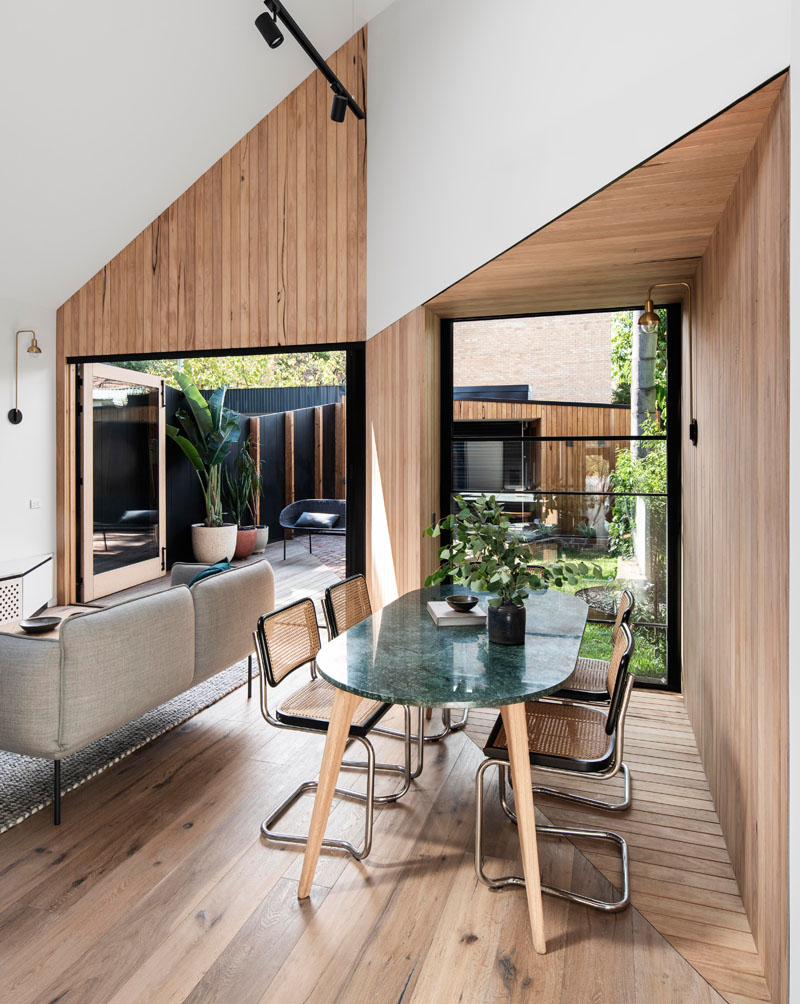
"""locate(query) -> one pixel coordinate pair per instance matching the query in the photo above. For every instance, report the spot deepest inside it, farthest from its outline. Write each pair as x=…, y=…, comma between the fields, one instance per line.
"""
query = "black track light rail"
x=277, y=9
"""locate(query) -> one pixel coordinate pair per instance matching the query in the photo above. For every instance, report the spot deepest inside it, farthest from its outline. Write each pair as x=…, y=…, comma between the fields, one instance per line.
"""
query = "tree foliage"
x=621, y=350
x=295, y=369
x=643, y=474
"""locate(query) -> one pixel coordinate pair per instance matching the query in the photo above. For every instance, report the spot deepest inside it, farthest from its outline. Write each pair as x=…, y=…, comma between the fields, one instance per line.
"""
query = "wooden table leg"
x=517, y=739
x=344, y=704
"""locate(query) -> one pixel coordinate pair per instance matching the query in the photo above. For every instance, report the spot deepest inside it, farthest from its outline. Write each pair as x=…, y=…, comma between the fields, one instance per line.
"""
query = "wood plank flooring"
x=681, y=876
x=158, y=888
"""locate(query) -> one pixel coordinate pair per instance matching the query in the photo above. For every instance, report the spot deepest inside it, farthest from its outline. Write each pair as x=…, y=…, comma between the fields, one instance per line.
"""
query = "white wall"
x=486, y=121
x=27, y=450
x=110, y=111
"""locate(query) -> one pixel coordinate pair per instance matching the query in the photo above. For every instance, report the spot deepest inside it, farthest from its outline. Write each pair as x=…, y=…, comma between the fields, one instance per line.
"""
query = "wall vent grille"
x=11, y=600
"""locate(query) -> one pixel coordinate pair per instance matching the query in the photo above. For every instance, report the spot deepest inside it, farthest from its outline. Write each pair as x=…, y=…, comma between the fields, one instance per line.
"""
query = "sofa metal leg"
x=309, y=543
x=56, y=793
x=284, y=545
x=250, y=676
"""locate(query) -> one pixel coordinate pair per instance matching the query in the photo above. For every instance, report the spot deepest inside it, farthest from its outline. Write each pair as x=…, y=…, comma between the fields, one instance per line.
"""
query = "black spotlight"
x=338, y=108
x=268, y=27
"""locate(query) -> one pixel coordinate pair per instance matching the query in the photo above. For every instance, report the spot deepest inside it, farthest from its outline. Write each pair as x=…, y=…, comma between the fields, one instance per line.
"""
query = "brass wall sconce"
x=649, y=322
x=15, y=415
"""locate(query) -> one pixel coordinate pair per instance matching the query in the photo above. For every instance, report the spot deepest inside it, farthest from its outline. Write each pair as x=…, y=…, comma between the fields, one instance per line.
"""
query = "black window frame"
x=355, y=434
x=673, y=682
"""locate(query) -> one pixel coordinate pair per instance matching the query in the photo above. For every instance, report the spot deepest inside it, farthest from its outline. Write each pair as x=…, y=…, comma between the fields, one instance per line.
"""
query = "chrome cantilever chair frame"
x=618, y=766
x=615, y=767
x=370, y=765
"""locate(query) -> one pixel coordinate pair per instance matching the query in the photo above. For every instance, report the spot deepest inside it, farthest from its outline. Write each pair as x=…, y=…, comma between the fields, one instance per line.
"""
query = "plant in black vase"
x=487, y=555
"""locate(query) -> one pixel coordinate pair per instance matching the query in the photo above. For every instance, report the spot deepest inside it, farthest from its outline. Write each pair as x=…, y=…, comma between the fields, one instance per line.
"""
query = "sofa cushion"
x=317, y=520
x=204, y=573
x=226, y=609
x=118, y=663
x=30, y=671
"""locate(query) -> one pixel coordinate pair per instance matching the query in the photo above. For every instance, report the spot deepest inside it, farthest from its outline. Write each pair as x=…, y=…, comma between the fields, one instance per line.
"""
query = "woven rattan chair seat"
x=561, y=730
x=589, y=675
x=315, y=701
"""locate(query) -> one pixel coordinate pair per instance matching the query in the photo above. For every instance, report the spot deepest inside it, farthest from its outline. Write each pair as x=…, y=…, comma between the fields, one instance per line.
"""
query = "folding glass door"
x=122, y=479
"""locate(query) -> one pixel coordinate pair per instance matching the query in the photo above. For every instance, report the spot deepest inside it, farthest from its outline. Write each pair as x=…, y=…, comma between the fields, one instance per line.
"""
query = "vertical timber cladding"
x=735, y=527
x=403, y=453
x=266, y=249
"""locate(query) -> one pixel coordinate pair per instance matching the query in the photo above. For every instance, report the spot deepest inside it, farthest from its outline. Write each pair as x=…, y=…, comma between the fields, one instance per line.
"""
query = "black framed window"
x=572, y=421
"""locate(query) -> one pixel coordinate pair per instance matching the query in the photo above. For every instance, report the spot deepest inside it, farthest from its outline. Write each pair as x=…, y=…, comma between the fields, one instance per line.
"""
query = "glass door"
x=572, y=422
x=123, y=484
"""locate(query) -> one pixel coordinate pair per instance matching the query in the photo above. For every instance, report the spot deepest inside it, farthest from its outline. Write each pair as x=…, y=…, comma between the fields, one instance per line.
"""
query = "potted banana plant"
x=208, y=431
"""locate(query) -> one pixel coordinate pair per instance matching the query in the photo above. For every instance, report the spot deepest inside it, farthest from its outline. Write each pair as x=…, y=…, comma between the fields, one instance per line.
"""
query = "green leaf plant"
x=238, y=484
x=243, y=487
x=487, y=555
x=207, y=433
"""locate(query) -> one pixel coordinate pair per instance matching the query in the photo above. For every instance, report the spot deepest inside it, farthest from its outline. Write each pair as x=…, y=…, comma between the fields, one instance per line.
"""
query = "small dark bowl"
x=40, y=625
x=462, y=602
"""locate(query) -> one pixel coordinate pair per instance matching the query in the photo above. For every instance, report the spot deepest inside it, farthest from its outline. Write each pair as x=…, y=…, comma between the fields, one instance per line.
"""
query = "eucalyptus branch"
x=487, y=555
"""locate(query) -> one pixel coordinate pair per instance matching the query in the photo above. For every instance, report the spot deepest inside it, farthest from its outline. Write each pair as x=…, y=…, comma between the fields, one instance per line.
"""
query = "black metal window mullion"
x=451, y=436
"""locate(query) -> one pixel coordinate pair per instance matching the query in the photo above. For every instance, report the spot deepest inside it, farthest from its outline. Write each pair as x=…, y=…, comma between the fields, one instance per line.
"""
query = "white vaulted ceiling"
x=109, y=111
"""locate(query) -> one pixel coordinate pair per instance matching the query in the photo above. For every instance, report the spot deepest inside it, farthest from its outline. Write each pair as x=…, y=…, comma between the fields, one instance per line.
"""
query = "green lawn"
x=649, y=657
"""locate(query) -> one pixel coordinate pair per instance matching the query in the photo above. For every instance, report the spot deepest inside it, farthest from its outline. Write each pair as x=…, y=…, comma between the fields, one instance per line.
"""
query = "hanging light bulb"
x=649, y=320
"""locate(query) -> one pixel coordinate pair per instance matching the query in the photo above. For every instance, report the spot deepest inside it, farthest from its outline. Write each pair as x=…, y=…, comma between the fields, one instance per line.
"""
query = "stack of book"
x=444, y=615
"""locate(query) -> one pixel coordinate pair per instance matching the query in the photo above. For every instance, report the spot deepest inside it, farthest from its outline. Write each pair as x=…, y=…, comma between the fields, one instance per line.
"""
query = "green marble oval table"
x=400, y=656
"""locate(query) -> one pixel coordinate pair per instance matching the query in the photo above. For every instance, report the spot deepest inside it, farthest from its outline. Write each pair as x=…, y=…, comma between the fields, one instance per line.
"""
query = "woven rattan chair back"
x=618, y=672
x=624, y=612
x=347, y=603
x=289, y=638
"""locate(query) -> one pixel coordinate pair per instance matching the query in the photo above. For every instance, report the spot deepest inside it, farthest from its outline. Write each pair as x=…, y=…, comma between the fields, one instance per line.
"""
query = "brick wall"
x=563, y=358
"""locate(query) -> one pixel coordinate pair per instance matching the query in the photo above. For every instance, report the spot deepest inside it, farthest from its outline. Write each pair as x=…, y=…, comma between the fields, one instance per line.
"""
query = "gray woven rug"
x=26, y=783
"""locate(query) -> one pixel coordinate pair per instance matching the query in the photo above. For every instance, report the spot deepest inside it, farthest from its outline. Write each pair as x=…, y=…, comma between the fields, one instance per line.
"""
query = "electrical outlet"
x=35, y=504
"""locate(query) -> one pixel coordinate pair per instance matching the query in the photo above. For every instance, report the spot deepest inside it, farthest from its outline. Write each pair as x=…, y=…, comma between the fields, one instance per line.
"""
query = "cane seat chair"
x=574, y=740
x=286, y=641
x=345, y=604
x=588, y=681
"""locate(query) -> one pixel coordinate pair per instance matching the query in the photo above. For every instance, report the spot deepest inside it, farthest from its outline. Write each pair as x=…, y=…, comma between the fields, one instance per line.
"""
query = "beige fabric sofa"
x=111, y=665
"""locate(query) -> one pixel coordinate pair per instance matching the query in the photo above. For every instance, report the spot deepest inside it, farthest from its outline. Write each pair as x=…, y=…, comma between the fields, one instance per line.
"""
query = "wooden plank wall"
x=735, y=578
x=403, y=453
x=563, y=467
x=267, y=248
x=559, y=466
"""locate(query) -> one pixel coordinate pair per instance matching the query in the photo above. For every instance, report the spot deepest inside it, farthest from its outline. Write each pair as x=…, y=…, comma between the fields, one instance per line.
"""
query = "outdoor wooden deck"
x=301, y=574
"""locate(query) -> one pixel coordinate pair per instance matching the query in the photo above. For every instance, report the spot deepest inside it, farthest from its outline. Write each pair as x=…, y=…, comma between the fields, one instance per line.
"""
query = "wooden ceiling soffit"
x=651, y=225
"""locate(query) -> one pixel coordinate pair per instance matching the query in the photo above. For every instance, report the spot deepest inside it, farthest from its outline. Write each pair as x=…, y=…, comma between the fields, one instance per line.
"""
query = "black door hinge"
x=163, y=559
x=163, y=396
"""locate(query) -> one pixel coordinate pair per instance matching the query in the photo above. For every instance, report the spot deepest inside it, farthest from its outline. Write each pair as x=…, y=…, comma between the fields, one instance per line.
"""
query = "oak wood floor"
x=158, y=888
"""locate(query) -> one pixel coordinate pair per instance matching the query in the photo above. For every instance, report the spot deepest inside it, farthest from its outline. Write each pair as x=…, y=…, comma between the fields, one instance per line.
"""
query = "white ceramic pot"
x=213, y=543
x=262, y=539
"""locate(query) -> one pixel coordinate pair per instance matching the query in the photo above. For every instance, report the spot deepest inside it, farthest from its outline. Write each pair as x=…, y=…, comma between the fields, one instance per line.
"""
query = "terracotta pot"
x=262, y=539
x=507, y=624
x=213, y=543
x=245, y=541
